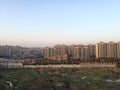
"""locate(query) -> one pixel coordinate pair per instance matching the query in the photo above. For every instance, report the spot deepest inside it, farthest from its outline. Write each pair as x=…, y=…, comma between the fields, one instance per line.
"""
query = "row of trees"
x=43, y=61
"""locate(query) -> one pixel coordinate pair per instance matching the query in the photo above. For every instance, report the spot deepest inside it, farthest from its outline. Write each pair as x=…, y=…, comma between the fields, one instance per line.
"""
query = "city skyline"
x=99, y=50
x=53, y=45
x=46, y=23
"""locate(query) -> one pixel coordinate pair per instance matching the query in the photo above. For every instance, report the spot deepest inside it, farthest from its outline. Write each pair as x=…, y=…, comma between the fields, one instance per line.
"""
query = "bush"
x=118, y=65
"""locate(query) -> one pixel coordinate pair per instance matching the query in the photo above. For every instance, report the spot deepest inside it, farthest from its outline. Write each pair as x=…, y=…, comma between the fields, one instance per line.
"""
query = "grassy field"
x=57, y=79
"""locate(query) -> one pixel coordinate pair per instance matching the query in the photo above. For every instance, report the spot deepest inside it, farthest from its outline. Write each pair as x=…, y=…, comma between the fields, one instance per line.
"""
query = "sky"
x=39, y=23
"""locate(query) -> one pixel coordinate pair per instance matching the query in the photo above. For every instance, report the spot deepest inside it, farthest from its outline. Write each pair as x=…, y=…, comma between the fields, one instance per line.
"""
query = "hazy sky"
x=47, y=22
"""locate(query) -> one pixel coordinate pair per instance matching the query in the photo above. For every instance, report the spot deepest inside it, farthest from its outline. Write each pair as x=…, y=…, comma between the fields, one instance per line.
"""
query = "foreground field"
x=59, y=79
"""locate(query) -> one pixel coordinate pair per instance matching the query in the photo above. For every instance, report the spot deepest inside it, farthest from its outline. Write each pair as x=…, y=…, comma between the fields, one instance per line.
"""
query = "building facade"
x=111, y=50
x=101, y=50
x=118, y=50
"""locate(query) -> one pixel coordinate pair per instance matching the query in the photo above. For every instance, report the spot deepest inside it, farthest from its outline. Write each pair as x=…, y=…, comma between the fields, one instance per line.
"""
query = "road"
x=86, y=65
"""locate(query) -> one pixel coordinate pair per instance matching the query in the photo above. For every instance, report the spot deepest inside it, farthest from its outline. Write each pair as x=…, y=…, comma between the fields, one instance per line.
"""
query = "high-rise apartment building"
x=76, y=53
x=111, y=50
x=70, y=50
x=48, y=52
x=87, y=53
x=101, y=50
x=60, y=49
x=118, y=50
x=82, y=52
x=92, y=50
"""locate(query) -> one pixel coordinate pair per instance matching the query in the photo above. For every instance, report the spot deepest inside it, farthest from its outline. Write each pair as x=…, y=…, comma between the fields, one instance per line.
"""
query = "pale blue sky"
x=37, y=23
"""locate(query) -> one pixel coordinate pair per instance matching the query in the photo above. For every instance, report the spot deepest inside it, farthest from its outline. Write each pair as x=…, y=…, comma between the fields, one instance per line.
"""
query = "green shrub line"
x=41, y=78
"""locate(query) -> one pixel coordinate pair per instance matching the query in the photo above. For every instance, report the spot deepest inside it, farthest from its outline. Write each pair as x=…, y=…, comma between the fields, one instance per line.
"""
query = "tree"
x=118, y=64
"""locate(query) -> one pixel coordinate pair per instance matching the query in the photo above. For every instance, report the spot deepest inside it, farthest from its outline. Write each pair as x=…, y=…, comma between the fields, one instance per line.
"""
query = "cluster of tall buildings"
x=70, y=52
x=58, y=52
x=101, y=50
x=9, y=51
x=19, y=52
x=108, y=50
x=83, y=52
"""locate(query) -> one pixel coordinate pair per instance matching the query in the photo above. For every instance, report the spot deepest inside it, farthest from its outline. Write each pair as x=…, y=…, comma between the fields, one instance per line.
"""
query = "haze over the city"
x=38, y=23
